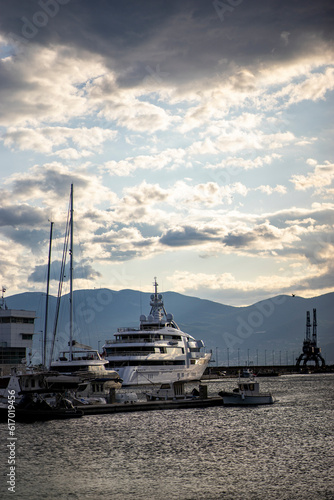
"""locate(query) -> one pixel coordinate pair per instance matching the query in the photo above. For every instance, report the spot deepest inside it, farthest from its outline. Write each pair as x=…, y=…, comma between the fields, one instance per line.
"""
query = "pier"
x=173, y=404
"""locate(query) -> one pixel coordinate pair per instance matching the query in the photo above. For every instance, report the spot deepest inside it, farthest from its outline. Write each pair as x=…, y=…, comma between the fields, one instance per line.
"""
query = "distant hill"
x=271, y=330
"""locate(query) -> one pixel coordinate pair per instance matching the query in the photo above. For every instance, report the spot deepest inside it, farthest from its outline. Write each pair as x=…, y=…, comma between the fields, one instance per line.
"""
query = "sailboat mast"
x=71, y=272
x=47, y=300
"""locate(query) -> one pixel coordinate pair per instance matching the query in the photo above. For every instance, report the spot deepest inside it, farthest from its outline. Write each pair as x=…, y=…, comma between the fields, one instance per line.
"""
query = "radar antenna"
x=3, y=302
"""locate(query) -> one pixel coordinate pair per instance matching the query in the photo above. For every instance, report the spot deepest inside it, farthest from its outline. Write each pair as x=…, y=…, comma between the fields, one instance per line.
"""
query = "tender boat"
x=158, y=351
x=247, y=393
x=246, y=373
x=170, y=391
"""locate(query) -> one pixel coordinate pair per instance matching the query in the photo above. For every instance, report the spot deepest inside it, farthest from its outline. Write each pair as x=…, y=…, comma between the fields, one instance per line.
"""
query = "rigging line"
x=60, y=285
x=140, y=301
x=47, y=299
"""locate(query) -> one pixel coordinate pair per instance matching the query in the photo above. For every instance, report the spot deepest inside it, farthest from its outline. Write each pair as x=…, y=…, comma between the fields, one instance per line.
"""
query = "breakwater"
x=262, y=371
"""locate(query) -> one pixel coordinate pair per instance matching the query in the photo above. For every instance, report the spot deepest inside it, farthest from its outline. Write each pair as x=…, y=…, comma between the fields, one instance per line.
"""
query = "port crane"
x=311, y=352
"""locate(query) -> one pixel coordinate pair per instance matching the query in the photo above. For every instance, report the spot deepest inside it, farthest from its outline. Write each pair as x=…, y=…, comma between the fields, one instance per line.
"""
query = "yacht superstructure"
x=156, y=352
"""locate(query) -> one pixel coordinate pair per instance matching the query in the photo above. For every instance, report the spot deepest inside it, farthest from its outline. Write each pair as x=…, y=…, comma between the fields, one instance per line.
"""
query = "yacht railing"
x=133, y=353
x=127, y=329
x=132, y=341
x=141, y=340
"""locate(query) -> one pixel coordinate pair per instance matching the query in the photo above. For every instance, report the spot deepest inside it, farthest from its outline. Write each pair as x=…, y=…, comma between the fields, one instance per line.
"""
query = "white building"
x=16, y=336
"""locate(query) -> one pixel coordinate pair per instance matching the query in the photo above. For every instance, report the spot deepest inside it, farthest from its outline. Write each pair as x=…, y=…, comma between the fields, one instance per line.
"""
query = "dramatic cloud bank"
x=198, y=138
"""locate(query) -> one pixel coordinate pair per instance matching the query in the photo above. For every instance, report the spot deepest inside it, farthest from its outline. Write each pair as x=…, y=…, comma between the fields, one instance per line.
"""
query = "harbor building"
x=16, y=336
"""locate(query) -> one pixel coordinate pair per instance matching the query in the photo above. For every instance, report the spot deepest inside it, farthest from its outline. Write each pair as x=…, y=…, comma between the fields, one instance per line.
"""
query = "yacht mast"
x=47, y=300
x=71, y=272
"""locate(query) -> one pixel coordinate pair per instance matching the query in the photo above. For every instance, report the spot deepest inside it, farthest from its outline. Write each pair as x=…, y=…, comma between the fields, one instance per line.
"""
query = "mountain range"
x=269, y=332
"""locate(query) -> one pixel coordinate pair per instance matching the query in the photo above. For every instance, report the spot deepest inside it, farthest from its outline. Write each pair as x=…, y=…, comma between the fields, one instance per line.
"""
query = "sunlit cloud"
x=321, y=177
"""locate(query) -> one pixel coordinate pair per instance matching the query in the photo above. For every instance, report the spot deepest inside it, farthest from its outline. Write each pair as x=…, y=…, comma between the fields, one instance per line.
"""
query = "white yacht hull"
x=143, y=375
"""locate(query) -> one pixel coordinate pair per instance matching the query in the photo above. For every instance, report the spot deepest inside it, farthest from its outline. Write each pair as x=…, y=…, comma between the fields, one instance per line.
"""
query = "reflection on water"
x=278, y=452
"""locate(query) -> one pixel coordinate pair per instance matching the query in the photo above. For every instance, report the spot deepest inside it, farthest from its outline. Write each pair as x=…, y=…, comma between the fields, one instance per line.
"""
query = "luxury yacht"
x=157, y=352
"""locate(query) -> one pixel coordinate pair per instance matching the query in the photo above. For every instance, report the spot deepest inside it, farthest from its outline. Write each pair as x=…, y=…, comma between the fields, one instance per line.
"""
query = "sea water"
x=273, y=452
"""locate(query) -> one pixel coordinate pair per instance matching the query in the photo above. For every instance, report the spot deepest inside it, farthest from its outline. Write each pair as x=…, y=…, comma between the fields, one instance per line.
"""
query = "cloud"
x=45, y=139
x=169, y=158
x=184, y=136
x=72, y=154
x=32, y=239
x=235, y=165
x=44, y=84
x=313, y=88
x=122, y=245
x=257, y=236
x=226, y=281
x=207, y=194
x=321, y=177
x=20, y=215
x=51, y=182
x=186, y=236
x=145, y=194
x=270, y=190
x=82, y=270
x=126, y=107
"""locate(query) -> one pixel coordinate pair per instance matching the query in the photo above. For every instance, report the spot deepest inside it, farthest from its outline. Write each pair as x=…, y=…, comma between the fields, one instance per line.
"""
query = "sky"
x=197, y=136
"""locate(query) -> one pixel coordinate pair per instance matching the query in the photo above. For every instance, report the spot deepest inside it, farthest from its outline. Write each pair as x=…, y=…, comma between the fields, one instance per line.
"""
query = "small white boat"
x=170, y=391
x=246, y=373
x=247, y=393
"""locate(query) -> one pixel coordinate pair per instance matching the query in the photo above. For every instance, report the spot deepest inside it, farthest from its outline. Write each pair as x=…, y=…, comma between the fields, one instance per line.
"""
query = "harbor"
x=187, y=453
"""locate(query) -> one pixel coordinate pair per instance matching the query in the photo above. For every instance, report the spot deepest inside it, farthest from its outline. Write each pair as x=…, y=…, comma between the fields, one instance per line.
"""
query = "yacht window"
x=172, y=337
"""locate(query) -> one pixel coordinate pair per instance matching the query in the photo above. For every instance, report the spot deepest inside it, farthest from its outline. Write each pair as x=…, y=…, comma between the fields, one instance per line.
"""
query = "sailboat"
x=98, y=384
x=36, y=393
